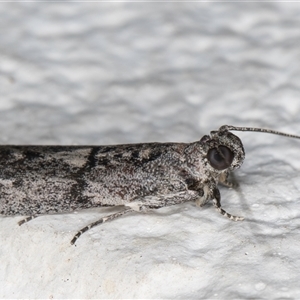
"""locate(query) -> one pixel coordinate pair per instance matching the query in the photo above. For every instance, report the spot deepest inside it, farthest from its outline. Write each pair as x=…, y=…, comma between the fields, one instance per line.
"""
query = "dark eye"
x=220, y=158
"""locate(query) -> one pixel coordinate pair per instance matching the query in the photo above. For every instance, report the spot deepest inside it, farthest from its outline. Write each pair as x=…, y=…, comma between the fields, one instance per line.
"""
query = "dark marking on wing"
x=91, y=160
x=31, y=155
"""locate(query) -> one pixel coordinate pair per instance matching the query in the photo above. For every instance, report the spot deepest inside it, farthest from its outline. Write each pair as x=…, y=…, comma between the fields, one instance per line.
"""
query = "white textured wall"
x=107, y=73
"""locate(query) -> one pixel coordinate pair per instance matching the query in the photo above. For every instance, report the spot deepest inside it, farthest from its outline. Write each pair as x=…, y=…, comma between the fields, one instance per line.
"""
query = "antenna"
x=229, y=127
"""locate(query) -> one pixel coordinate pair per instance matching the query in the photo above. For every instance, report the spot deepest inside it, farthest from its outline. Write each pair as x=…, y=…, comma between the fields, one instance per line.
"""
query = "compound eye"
x=220, y=158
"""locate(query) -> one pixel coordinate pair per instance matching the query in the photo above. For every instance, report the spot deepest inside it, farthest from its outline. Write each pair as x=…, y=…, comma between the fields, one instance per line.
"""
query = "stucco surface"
x=109, y=73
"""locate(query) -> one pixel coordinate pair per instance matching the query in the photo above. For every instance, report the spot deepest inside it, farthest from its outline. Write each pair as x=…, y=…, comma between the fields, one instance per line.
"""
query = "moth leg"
x=27, y=219
x=223, y=179
x=217, y=204
x=100, y=221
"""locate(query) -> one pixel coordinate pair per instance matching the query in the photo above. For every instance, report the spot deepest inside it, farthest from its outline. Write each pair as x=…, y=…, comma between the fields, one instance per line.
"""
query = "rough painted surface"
x=103, y=73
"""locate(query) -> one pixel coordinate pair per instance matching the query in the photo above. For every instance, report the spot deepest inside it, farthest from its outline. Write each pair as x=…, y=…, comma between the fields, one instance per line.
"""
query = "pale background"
x=108, y=73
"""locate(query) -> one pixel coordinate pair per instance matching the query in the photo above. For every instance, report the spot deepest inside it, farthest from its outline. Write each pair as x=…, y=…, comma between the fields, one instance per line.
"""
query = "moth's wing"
x=157, y=201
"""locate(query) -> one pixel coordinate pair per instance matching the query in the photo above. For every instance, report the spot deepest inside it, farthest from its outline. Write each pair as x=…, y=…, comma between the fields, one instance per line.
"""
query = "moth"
x=37, y=180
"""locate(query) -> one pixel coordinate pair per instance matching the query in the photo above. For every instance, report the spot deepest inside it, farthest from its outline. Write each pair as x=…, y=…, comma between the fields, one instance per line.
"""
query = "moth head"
x=223, y=150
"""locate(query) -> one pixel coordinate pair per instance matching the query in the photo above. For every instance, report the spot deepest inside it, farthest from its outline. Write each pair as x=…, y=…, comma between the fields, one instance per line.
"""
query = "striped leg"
x=217, y=204
x=102, y=220
x=27, y=219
